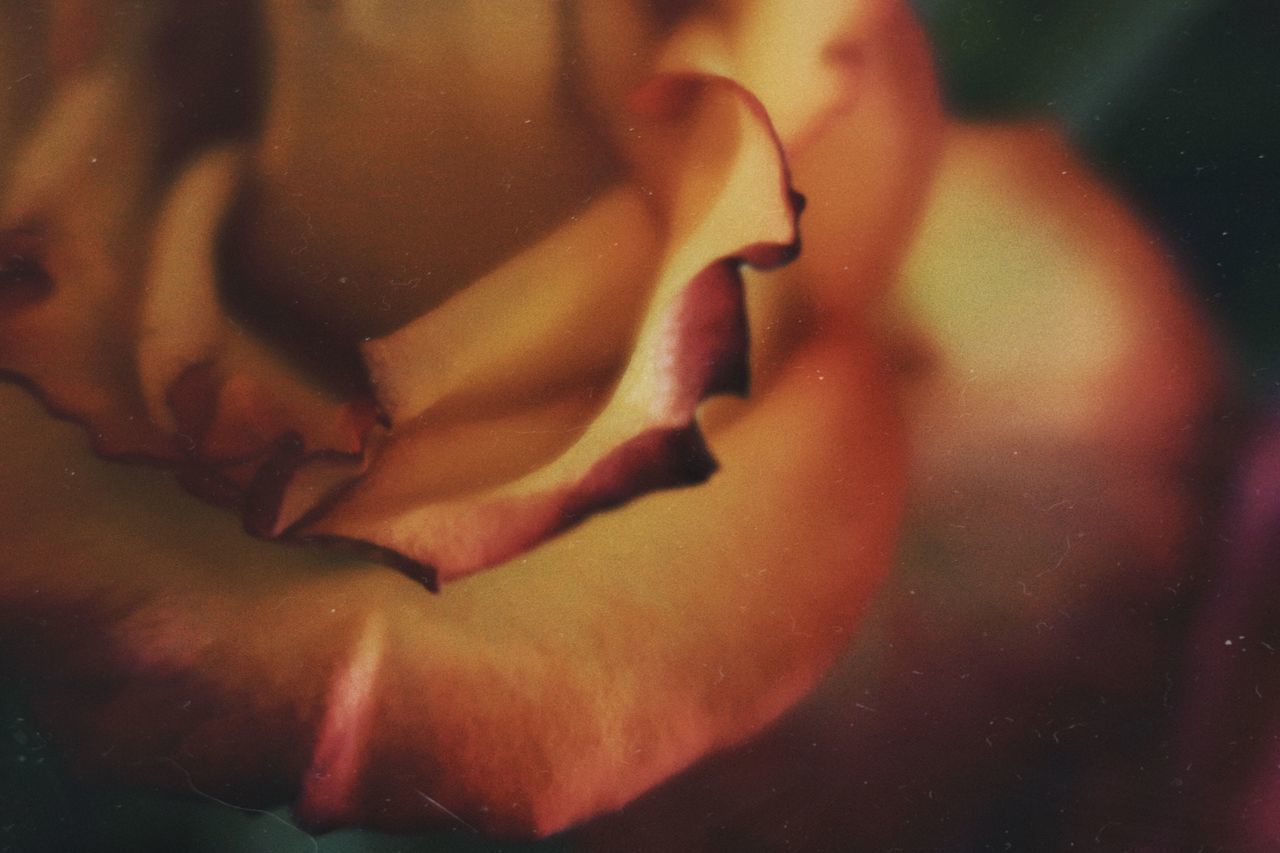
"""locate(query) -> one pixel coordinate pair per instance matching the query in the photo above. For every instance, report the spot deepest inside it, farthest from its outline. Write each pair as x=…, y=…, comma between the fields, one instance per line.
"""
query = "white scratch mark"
x=441, y=807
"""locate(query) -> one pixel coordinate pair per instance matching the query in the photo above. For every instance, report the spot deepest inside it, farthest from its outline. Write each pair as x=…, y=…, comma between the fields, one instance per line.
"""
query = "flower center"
x=407, y=149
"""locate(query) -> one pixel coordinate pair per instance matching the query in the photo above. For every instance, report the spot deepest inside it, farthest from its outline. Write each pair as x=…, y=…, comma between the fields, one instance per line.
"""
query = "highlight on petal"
x=333, y=779
x=1021, y=247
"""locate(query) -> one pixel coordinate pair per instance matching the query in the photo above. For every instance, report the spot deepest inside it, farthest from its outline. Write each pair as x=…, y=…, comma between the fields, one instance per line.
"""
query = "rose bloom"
x=385, y=296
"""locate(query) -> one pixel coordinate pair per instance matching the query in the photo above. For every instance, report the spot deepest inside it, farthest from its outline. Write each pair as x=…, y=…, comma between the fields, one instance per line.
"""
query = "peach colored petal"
x=865, y=166
x=557, y=316
x=805, y=68
x=1021, y=248
x=78, y=298
x=521, y=699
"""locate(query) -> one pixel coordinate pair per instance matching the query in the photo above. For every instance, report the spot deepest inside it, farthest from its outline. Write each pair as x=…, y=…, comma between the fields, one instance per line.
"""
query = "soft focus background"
x=1175, y=101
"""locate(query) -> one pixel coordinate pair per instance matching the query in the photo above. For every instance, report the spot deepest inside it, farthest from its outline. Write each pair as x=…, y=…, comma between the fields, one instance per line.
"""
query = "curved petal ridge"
x=692, y=343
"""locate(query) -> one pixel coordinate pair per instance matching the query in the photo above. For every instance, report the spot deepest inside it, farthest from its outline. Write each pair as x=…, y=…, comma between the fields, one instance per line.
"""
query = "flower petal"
x=868, y=168
x=244, y=394
x=83, y=288
x=72, y=199
x=408, y=149
x=692, y=343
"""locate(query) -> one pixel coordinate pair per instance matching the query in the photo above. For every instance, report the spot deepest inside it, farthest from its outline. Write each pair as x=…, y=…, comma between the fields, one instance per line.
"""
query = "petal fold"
x=691, y=343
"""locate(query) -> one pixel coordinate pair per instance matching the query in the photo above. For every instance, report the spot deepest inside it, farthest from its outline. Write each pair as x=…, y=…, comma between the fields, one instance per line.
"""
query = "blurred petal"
x=72, y=200
x=1066, y=437
x=1057, y=320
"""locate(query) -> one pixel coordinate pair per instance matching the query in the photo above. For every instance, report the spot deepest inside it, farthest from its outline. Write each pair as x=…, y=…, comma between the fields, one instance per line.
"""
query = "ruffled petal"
x=248, y=427
x=128, y=336
x=246, y=416
x=252, y=393
x=72, y=200
x=692, y=343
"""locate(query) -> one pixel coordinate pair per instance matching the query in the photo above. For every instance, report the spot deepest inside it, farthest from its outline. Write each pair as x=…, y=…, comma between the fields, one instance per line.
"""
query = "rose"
x=575, y=693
